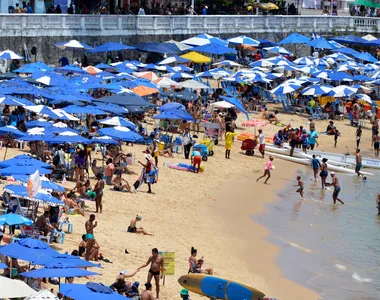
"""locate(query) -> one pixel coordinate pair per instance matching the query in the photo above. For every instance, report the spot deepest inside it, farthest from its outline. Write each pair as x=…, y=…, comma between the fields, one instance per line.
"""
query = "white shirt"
x=262, y=139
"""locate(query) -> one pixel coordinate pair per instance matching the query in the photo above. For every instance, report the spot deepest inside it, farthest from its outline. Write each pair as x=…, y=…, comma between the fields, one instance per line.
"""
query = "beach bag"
x=56, y=160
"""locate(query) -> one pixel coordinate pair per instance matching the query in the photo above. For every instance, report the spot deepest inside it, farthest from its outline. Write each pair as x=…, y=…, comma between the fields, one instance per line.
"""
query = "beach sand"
x=211, y=211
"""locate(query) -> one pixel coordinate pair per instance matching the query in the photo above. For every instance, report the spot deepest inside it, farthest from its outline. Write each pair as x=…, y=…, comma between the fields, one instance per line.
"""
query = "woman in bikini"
x=98, y=189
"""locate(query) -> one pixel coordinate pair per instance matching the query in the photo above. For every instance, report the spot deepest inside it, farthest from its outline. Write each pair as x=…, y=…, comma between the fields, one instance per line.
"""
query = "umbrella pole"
x=10, y=268
x=6, y=149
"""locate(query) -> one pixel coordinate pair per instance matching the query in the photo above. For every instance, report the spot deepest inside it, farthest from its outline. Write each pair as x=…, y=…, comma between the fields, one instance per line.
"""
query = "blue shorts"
x=89, y=236
x=336, y=191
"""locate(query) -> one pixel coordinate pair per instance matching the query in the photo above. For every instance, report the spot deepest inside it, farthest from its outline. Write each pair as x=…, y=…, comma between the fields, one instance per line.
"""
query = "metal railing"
x=111, y=25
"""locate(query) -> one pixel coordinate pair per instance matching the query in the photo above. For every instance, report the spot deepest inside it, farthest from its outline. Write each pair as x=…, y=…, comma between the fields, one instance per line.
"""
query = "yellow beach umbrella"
x=268, y=6
x=196, y=57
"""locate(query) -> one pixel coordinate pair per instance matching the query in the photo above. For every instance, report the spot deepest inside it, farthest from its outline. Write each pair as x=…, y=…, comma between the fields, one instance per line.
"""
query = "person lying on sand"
x=271, y=117
x=132, y=228
x=118, y=184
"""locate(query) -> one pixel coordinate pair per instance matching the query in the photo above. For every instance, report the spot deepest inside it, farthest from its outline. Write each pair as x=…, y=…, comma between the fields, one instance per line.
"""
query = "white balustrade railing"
x=111, y=25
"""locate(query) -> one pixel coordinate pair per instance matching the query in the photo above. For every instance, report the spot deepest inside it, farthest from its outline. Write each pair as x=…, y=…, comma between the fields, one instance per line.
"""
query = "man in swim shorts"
x=196, y=159
x=156, y=266
x=90, y=225
x=358, y=162
x=335, y=184
x=300, y=185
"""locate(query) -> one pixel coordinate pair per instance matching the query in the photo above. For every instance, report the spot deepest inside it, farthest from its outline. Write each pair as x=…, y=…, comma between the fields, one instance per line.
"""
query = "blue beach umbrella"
x=14, y=101
x=176, y=46
x=174, y=114
x=67, y=137
x=23, y=169
x=71, y=69
x=14, y=219
x=117, y=121
x=349, y=39
x=90, y=290
x=316, y=89
x=11, y=130
x=181, y=68
x=366, y=57
x=9, y=55
x=171, y=106
x=104, y=140
x=121, y=133
x=58, y=270
x=41, y=197
x=285, y=88
x=91, y=110
x=243, y=40
x=104, y=66
x=3, y=266
x=111, y=46
x=45, y=183
x=295, y=38
x=38, y=123
x=28, y=249
x=65, y=259
x=126, y=100
x=214, y=49
x=34, y=67
x=339, y=56
x=43, y=110
x=278, y=50
x=348, y=51
x=266, y=43
x=178, y=75
x=154, y=47
x=339, y=76
x=24, y=160
x=342, y=91
x=237, y=103
x=305, y=61
x=321, y=43
x=50, y=78
x=112, y=108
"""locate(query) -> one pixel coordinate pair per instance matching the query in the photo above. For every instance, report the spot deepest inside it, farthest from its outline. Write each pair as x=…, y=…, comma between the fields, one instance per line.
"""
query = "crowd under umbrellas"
x=51, y=106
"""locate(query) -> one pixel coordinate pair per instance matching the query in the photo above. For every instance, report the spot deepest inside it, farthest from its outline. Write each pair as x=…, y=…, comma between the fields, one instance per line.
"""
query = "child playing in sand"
x=300, y=184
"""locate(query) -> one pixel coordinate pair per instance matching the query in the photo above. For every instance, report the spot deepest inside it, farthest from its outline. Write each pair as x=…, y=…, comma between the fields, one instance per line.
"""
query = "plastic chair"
x=70, y=226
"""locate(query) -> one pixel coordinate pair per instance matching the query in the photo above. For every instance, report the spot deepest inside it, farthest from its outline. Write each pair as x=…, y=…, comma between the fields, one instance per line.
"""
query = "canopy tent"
x=14, y=288
x=196, y=57
x=235, y=102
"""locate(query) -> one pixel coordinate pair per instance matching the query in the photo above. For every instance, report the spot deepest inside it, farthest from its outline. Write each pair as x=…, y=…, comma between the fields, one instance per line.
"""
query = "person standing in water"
x=358, y=162
x=378, y=204
x=300, y=184
x=335, y=184
x=267, y=169
x=156, y=267
x=323, y=173
x=315, y=164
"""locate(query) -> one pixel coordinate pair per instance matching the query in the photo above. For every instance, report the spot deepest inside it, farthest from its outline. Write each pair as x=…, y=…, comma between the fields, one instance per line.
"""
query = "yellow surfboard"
x=220, y=288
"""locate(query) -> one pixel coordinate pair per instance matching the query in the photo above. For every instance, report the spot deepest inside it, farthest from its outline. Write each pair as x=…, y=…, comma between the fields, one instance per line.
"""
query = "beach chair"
x=321, y=115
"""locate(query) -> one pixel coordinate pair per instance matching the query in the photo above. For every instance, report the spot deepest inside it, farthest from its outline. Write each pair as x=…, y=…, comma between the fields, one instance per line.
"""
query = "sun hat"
x=123, y=272
x=184, y=292
x=139, y=217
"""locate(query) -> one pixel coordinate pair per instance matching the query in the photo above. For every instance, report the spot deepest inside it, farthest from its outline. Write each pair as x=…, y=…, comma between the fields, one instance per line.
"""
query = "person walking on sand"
x=358, y=162
x=300, y=185
x=324, y=173
x=229, y=141
x=269, y=166
x=98, y=189
x=261, y=143
x=335, y=184
x=156, y=267
x=358, y=136
x=312, y=139
x=90, y=225
x=315, y=164
x=376, y=145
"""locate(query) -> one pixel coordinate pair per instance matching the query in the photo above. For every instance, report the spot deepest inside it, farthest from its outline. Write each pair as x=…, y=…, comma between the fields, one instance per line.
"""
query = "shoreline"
x=248, y=239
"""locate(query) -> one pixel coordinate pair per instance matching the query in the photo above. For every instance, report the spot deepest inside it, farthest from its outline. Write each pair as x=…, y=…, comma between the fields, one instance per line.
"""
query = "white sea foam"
x=341, y=267
x=300, y=247
x=358, y=278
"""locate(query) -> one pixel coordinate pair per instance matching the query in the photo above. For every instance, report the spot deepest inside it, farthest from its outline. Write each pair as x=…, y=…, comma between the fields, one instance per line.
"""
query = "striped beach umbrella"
x=316, y=90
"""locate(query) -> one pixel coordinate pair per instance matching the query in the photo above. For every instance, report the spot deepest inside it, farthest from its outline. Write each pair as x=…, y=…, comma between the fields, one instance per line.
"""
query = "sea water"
x=333, y=249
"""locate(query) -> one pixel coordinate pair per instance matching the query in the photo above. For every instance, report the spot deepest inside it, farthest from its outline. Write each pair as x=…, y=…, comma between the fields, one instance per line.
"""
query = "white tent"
x=43, y=295
x=222, y=104
x=13, y=288
x=192, y=84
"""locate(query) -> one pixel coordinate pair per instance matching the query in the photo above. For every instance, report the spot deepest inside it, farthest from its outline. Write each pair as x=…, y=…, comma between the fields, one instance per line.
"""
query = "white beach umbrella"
x=62, y=113
x=72, y=44
x=244, y=40
x=13, y=288
x=222, y=104
x=177, y=45
x=9, y=54
x=166, y=82
x=304, y=61
x=365, y=98
x=227, y=63
x=43, y=294
x=342, y=91
x=192, y=84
